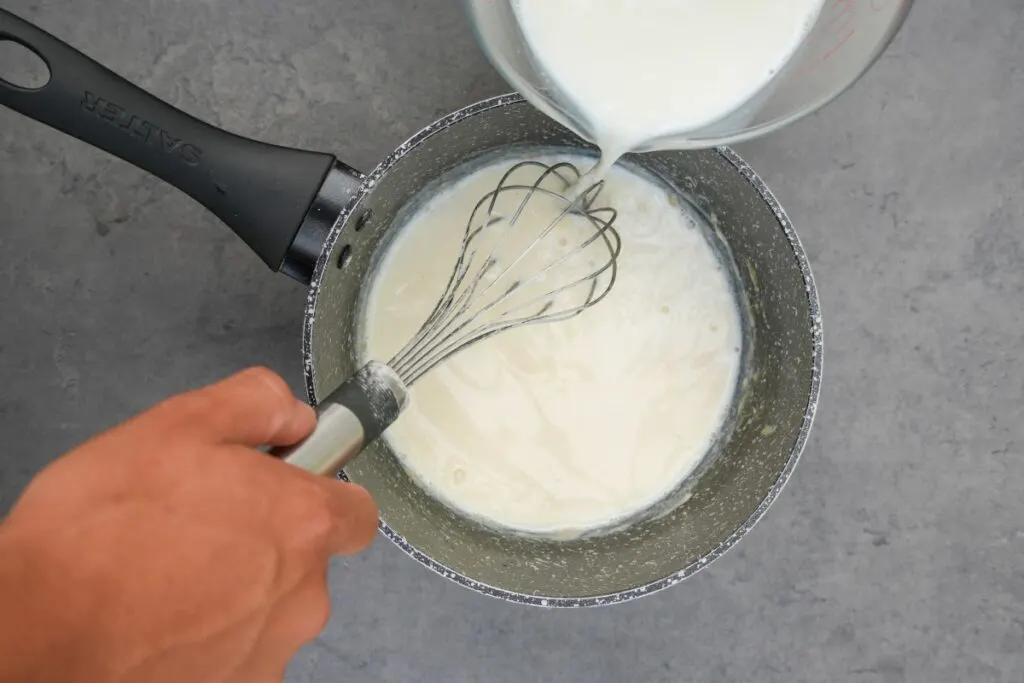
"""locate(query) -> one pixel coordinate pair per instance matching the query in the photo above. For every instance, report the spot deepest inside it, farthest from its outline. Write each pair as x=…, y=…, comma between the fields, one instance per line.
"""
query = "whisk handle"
x=351, y=418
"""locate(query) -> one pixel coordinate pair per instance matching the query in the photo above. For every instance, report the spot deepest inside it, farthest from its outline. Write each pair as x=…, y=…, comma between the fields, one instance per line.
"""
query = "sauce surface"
x=569, y=426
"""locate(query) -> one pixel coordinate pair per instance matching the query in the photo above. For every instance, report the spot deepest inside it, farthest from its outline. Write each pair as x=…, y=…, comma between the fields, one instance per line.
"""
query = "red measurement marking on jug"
x=839, y=23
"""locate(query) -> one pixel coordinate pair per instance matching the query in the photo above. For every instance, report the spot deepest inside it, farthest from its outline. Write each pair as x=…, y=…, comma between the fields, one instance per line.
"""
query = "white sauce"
x=574, y=425
x=639, y=70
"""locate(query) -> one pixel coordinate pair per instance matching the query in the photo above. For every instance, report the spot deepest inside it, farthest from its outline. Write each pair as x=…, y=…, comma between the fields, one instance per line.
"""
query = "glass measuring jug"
x=846, y=39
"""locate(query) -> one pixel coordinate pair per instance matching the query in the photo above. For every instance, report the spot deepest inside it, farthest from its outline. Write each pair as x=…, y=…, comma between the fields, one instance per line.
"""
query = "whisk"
x=504, y=277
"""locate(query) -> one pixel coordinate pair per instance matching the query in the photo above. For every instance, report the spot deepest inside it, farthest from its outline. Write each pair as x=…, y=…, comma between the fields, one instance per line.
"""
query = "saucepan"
x=310, y=216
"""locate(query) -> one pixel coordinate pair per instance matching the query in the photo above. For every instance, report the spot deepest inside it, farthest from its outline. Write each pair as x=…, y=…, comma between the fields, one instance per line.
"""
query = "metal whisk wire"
x=464, y=315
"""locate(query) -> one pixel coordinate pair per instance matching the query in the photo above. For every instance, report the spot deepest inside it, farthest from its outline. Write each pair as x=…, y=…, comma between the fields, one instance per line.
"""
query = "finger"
x=321, y=516
x=295, y=620
x=254, y=407
x=355, y=517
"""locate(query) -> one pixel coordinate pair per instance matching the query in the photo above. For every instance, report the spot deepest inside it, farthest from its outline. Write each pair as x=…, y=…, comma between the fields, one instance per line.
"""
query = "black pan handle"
x=262, y=192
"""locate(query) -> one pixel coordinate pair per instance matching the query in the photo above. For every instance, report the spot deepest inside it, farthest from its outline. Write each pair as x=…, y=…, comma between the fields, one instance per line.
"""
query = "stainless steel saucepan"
x=310, y=216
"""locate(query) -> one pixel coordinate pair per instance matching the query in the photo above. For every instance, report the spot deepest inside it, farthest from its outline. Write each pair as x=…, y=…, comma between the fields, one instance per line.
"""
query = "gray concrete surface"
x=897, y=552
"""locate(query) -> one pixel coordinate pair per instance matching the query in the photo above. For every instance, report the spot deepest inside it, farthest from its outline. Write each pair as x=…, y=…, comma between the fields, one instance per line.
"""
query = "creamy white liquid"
x=639, y=70
x=567, y=426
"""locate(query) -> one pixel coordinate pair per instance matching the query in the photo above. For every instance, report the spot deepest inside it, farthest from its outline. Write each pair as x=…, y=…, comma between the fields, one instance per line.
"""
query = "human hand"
x=171, y=549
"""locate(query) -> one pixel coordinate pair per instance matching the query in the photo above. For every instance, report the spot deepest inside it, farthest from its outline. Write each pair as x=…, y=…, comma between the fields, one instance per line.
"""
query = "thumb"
x=254, y=408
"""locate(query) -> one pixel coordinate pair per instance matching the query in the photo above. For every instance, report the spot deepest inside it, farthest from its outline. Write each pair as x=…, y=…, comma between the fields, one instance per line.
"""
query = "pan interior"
x=504, y=159
x=715, y=504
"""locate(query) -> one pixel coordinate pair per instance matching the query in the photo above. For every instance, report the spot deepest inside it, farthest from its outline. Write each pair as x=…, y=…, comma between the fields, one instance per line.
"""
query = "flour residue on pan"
x=564, y=428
